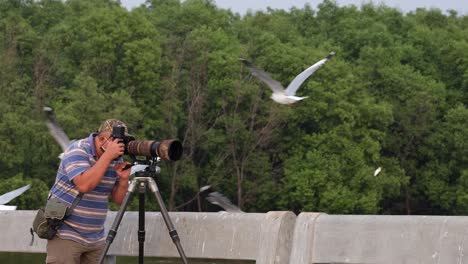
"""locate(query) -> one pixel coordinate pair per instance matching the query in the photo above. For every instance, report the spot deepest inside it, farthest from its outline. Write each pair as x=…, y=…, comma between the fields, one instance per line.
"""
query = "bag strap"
x=75, y=202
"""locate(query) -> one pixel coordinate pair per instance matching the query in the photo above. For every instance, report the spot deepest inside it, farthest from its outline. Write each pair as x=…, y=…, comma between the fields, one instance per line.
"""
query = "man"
x=92, y=166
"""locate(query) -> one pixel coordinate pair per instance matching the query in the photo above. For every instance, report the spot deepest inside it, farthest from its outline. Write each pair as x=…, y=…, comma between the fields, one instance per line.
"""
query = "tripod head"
x=145, y=168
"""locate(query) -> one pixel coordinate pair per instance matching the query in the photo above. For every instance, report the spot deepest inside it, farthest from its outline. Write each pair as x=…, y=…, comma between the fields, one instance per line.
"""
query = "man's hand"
x=123, y=170
x=114, y=149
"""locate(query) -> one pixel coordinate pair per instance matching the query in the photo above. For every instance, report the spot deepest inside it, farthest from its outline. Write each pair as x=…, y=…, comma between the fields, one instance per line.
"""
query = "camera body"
x=169, y=149
x=119, y=132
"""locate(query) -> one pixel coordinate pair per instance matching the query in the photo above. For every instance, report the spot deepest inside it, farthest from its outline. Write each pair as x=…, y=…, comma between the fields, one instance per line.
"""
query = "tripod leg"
x=172, y=231
x=117, y=220
x=141, y=221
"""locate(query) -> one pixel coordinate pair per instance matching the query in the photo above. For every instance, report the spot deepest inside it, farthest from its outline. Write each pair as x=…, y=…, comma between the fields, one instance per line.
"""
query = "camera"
x=169, y=149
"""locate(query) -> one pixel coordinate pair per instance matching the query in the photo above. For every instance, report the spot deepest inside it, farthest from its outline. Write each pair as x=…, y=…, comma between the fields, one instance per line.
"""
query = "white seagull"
x=377, y=171
x=7, y=197
x=288, y=95
x=56, y=131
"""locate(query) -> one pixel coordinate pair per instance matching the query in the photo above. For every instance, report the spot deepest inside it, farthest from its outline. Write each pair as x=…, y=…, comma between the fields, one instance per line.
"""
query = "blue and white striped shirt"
x=86, y=223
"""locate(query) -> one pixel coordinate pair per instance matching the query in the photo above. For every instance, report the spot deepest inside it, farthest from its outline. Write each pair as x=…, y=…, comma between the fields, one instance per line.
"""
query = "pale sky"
x=241, y=6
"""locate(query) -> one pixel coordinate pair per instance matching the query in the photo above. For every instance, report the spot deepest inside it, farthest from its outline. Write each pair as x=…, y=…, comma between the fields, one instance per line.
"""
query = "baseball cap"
x=110, y=123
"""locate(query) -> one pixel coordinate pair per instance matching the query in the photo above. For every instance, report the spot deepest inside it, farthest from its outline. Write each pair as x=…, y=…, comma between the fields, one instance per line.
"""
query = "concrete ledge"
x=390, y=239
x=263, y=237
x=275, y=237
x=15, y=235
x=240, y=236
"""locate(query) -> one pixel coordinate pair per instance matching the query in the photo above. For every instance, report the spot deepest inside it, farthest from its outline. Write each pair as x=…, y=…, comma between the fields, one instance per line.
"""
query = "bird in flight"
x=219, y=199
x=207, y=192
x=377, y=171
x=280, y=94
x=7, y=197
x=56, y=131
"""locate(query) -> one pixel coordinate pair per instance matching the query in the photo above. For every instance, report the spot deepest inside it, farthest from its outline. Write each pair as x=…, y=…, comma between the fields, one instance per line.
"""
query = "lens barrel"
x=169, y=149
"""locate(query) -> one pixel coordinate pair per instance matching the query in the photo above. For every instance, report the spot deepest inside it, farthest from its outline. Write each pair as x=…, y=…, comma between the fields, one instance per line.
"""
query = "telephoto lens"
x=169, y=149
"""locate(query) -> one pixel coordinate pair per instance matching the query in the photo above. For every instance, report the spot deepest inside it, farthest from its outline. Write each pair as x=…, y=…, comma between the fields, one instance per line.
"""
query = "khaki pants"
x=64, y=251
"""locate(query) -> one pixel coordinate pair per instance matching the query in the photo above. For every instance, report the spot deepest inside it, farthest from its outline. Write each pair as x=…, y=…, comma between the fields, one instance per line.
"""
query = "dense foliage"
x=395, y=97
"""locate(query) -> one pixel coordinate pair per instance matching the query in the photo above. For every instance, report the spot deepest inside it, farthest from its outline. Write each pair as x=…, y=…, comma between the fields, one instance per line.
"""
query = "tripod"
x=142, y=180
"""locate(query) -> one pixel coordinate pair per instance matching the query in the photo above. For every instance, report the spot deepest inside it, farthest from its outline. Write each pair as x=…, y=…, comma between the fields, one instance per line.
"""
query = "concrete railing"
x=262, y=237
x=322, y=238
x=275, y=237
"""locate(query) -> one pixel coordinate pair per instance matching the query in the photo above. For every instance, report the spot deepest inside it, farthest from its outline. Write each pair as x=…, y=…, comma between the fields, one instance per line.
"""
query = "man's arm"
x=121, y=187
x=119, y=192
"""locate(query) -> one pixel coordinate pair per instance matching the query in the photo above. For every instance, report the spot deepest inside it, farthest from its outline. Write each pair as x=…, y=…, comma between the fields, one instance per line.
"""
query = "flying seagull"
x=377, y=171
x=219, y=200
x=288, y=95
x=56, y=131
x=7, y=197
x=213, y=197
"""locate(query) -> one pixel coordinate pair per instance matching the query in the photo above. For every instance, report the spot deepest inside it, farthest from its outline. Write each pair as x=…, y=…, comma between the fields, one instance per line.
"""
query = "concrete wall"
x=263, y=237
x=385, y=239
x=15, y=233
x=276, y=237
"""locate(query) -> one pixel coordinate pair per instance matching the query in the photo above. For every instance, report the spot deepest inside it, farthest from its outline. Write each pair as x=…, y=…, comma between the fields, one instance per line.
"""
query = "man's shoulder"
x=80, y=143
x=81, y=146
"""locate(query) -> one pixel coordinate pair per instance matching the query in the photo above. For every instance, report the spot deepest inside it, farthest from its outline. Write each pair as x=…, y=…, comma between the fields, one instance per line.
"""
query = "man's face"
x=104, y=138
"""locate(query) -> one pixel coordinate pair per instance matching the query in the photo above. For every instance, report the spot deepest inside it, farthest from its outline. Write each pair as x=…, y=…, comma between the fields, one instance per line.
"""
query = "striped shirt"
x=86, y=223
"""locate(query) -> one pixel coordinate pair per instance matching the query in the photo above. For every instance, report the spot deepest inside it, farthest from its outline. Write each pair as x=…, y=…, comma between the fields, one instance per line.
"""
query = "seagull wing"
x=274, y=85
x=296, y=83
x=7, y=197
x=55, y=130
x=221, y=200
